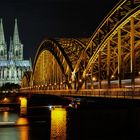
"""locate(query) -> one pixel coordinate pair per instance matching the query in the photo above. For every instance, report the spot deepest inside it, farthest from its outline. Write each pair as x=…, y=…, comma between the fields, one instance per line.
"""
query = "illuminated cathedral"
x=12, y=63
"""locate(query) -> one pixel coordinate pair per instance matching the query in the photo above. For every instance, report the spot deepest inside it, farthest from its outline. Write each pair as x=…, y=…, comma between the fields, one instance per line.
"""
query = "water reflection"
x=24, y=132
x=9, y=133
x=58, y=124
x=13, y=127
x=5, y=116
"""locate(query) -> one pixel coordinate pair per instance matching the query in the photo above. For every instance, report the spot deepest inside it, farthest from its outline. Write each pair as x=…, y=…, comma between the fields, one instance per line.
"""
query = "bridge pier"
x=23, y=106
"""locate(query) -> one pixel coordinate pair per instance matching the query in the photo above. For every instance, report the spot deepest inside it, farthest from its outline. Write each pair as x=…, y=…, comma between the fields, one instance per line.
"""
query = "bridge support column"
x=132, y=55
x=99, y=67
x=92, y=78
x=23, y=105
x=119, y=58
x=108, y=63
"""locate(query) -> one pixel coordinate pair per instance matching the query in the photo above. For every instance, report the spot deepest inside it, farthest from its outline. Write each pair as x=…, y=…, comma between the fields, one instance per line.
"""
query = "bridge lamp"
x=112, y=76
x=94, y=78
x=5, y=100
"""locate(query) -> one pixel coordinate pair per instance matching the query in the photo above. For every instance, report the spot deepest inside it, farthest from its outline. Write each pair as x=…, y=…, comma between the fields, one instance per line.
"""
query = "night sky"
x=38, y=19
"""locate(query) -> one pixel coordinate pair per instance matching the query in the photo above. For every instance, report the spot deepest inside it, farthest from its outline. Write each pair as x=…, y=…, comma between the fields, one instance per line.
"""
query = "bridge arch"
x=109, y=59
x=26, y=79
x=116, y=47
x=54, y=62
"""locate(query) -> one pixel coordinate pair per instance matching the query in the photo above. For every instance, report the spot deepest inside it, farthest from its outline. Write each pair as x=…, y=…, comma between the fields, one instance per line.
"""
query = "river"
x=60, y=123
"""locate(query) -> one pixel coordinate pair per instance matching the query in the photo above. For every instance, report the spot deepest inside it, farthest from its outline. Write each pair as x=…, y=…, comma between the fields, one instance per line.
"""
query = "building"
x=12, y=63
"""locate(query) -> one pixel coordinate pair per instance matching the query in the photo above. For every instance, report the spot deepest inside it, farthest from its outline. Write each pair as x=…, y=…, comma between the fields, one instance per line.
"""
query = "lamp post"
x=94, y=79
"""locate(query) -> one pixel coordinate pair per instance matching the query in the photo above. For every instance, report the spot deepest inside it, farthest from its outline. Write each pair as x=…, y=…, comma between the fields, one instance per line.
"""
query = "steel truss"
x=110, y=58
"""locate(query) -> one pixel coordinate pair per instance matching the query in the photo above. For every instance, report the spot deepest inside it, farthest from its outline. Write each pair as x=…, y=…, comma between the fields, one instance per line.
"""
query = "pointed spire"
x=11, y=49
x=11, y=45
x=2, y=39
x=16, y=34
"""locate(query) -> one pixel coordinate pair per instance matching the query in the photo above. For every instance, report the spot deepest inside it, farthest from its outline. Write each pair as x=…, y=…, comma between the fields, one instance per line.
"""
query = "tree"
x=10, y=86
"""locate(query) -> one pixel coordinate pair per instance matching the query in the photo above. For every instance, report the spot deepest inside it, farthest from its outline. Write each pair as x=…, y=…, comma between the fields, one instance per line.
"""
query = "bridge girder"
x=116, y=43
x=112, y=53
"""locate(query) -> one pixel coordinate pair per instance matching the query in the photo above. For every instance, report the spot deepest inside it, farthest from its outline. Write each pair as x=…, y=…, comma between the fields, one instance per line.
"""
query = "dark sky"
x=38, y=19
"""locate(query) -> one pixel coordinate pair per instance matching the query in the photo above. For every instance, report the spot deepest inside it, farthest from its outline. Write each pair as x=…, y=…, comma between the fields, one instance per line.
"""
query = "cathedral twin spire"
x=2, y=39
x=15, y=49
x=16, y=35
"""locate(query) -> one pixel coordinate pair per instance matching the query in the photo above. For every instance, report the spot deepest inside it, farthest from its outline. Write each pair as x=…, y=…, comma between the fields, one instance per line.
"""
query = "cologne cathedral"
x=12, y=64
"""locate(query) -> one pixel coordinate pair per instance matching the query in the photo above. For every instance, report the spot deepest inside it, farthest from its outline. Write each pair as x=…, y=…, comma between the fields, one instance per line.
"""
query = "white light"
x=50, y=107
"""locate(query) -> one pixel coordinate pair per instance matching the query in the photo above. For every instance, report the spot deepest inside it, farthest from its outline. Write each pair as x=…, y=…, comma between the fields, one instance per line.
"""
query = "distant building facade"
x=12, y=64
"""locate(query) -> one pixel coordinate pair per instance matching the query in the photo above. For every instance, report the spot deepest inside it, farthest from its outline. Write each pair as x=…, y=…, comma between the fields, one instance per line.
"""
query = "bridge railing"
x=131, y=93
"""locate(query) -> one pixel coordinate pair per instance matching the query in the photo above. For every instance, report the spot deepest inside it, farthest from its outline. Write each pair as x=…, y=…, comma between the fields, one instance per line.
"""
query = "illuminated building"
x=12, y=64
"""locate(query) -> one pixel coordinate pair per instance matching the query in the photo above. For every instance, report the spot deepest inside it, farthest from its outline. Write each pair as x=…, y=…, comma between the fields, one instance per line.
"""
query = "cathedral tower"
x=3, y=46
x=17, y=46
x=12, y=67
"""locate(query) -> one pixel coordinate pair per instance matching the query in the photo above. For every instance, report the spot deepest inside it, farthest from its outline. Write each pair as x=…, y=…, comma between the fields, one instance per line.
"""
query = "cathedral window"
x=1, y=53
x=7, y=73
x=12, y=74
x=16, y=53
x=3, y=74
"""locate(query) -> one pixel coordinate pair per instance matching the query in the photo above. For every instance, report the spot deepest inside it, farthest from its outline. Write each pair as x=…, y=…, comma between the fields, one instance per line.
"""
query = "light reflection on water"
x=73, y=124
x=14, y=127
x=5, y=116
x=23, y=133
x=8, y=130
x=58, y=124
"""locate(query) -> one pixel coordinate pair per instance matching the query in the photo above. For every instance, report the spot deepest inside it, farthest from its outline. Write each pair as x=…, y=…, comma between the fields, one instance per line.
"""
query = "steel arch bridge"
x=110, y=58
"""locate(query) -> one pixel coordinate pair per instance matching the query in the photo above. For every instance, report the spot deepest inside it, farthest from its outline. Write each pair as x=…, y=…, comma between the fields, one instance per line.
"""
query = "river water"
x=59, y=123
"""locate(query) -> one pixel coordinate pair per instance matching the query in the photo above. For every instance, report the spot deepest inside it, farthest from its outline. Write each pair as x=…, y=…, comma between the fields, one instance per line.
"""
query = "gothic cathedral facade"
x=12, y=64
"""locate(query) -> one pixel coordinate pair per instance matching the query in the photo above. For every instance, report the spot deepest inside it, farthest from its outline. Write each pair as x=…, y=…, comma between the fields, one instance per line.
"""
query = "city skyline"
x=51, y=19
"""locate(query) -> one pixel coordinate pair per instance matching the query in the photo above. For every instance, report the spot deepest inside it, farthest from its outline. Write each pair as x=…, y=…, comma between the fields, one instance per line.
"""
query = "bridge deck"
x=125, y=93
